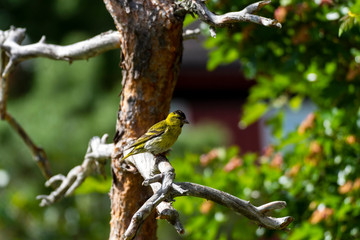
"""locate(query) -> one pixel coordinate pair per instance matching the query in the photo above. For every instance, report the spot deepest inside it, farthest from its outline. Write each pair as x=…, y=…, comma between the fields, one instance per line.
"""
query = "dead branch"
x=10, y=42
x=159, y=174
x=204, y=14
x=95, y=158
x=4, y=59
x=12, y=53
x=38, y=153
x=257, y=214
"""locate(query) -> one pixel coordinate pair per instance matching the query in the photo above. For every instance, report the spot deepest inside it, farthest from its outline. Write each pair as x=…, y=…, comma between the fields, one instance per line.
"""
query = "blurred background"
x=275, y=115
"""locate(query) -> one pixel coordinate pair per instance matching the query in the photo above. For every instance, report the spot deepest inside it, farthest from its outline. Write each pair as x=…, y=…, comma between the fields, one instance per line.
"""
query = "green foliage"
x=351, y=19
x=61, y=106
x=240, y=175
x=94, y=185
x=61, y=113
x=252, y=112
x=188, y=20
x=314, y=167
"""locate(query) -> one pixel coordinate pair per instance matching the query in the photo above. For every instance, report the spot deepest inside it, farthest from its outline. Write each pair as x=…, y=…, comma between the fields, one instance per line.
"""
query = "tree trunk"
x=151, y=45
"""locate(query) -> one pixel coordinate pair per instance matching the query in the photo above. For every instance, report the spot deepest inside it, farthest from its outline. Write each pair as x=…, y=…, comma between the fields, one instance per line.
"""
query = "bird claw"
x=146, y=182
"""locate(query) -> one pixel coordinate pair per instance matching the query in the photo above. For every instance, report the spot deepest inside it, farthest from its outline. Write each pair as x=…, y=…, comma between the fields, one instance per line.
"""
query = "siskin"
x=161, y=136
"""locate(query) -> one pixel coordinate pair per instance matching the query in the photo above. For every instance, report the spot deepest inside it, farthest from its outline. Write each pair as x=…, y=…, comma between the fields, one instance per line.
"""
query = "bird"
x=160, y=137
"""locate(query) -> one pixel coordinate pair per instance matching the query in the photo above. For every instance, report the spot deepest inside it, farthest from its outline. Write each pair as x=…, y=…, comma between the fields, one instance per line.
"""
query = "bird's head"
x=176, y=118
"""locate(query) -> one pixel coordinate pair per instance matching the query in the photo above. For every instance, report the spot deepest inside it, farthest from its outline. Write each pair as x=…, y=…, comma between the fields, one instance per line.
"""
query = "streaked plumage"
x=161, y=136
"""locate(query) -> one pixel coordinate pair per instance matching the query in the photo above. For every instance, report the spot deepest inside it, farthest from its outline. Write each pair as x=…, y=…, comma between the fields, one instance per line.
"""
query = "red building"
x=217, y=95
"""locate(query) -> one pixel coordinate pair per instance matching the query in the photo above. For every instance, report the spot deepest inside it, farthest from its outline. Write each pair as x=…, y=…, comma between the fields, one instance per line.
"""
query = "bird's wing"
x=155, y=131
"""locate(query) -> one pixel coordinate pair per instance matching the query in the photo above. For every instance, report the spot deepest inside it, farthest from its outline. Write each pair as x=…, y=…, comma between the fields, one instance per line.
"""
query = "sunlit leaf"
x=252, y=113
x=188, y=20
x=295, y=102
x=91, y=185
x=346, y=24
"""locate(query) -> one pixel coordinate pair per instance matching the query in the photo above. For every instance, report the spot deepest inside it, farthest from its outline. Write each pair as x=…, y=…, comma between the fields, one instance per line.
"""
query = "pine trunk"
x=151, y=49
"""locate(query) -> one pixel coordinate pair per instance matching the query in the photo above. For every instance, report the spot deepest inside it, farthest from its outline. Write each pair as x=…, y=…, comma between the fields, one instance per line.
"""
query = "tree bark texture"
x=151, y=50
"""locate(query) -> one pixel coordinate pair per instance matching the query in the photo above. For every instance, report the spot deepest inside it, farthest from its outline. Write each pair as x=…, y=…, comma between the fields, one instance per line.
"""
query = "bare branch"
x=11, y=39
x=38, y=153
x=245, y=208
x=12, y=53
x=159, y=169
x=154, y=170
x=168, y=212
x=200, y=9
x=77, y=51
x=4, y=60
x=96, y=155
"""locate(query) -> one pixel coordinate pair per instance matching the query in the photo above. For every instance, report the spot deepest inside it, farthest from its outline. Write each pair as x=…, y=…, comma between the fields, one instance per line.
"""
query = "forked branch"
x=12, y=53
x=159, y=174
x=10, y=42
x=257, y=214
x=95, y=158
x=246, y=15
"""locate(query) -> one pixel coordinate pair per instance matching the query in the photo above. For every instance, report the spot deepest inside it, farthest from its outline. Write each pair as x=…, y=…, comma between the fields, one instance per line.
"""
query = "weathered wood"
x=151, y=49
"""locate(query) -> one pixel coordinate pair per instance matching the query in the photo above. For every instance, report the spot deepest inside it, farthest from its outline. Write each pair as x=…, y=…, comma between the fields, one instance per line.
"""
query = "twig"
x=38, y=153
x=200, y=9
x=4, y=59
x=96, y=155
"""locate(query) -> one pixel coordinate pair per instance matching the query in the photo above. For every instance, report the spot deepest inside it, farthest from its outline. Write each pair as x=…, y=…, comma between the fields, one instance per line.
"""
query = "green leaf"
x=215, y=59
x=347, y=24
x=188, y=20
x=295, y=102
x=91, y=185
x=252, y=112
x=307, y=231
x=330, y=68
x=231, y=56
x=276, y=123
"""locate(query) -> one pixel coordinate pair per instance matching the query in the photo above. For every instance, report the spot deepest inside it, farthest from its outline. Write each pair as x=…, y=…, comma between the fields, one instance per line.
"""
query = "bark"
x=151, y=49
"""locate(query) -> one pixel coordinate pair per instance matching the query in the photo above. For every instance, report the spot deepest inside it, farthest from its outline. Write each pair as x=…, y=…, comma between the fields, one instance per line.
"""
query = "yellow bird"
x=161, y=136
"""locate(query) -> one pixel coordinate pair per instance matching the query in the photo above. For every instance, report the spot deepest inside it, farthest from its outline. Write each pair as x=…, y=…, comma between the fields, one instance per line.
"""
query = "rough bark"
x=151, y=48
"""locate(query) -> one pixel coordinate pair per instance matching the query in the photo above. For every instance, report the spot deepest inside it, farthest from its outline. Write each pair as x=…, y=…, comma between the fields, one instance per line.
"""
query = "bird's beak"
x=186, y=121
